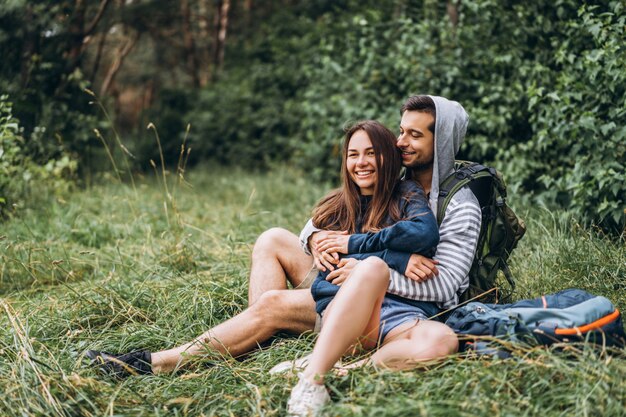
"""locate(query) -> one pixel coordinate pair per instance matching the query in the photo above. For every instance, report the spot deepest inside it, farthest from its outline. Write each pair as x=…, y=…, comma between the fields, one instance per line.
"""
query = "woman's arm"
x=416, y=233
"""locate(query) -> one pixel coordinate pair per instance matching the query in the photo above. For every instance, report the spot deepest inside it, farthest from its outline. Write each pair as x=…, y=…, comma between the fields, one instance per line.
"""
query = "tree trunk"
x=79, y=37
x=76, y=30
x=80, y=33
x=204, y=36
x=118, y=60
x=94, y=22
x=96, y=63
x=28, y=50
x=188, y=43
x=220, y=35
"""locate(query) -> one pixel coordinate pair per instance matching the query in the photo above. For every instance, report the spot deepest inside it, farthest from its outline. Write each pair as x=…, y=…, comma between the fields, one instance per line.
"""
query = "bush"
x=10, y=155
x=252, y=116
x=247, y=129
x=579, y=145
x=543, y=83
x=21, y=179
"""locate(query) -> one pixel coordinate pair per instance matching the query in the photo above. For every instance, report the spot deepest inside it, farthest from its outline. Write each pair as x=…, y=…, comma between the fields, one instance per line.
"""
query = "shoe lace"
x=308, y=398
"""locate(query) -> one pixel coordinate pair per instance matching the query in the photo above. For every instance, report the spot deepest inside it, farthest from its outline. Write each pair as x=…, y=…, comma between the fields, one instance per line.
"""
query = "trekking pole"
x=462, y=304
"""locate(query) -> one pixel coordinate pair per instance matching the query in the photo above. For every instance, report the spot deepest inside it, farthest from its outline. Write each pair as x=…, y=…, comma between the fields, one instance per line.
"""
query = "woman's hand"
x=421, y=268
x=343, y=271
x=334, y=243
x=323, y=259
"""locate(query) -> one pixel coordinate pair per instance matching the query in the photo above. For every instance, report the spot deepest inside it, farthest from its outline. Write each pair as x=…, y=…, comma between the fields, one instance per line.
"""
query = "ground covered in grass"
x=118, y=268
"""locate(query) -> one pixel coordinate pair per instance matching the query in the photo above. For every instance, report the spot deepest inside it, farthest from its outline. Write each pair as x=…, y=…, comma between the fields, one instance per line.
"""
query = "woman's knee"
x=441, y=339
x=372, y=270
x=449, y=341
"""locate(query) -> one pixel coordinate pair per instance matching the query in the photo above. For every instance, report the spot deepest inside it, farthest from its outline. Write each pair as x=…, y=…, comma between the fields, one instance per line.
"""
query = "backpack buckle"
x=461, y=175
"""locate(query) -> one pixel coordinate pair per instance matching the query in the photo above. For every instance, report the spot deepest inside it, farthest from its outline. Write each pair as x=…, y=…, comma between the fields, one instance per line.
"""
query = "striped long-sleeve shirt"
x=458, y=236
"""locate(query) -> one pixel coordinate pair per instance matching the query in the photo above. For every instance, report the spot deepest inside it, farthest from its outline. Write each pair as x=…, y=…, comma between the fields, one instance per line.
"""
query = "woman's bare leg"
x=414, y=342
x=355, y=312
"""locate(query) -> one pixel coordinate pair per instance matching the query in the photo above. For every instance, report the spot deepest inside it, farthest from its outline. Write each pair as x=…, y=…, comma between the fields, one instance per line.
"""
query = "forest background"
x=256, y=84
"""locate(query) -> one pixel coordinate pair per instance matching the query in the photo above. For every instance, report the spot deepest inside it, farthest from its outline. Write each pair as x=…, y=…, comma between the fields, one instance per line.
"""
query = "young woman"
x=381, y=217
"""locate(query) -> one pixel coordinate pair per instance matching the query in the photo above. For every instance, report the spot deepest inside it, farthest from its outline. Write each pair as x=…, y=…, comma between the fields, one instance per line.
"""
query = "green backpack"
x=500, y=230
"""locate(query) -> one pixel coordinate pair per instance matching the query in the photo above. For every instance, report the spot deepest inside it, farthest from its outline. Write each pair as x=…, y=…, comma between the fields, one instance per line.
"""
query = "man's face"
x=415, y=140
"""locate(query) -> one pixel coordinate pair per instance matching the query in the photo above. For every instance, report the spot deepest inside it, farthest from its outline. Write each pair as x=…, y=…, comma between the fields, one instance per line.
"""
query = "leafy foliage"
x=578, y=116
x=41, y=70
x=543, y=83
x=10, y=152
x=21, y=179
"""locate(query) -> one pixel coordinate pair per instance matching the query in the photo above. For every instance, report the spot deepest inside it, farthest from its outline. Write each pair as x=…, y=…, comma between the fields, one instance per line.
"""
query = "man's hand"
x=323, y=259
x=334, y=242
x=343, y=271
x=421, y=268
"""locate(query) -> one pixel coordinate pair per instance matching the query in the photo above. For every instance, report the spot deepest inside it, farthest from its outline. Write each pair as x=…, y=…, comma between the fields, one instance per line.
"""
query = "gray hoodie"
x=450, y=128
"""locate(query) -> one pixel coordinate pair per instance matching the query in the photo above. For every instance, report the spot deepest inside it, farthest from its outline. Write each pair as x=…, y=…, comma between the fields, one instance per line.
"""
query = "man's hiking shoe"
x=121, y=366
x=296, y=365
x=307, y=399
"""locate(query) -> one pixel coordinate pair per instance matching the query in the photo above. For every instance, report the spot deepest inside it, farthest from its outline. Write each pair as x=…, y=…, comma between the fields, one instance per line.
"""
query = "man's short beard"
x=420, y=167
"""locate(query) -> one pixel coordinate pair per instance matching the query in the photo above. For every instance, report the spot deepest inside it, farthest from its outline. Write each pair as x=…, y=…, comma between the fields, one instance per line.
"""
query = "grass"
x=117, y=269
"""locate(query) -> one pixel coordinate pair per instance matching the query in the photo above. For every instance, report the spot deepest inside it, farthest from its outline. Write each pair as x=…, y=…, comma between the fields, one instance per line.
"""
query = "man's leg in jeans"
x=276, y=258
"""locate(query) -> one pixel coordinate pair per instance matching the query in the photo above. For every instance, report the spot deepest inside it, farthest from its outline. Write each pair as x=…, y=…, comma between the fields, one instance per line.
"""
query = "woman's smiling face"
x=361, y=162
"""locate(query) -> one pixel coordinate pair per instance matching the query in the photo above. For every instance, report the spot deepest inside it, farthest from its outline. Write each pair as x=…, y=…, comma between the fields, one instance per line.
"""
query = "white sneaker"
x=307, y=399
x=296, y=365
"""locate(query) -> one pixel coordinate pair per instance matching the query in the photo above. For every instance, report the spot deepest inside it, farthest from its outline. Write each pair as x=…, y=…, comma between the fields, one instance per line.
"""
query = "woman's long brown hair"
x=339, y=209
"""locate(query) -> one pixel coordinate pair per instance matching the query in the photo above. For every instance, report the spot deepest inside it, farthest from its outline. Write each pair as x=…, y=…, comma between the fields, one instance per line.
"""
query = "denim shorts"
x=396, y=311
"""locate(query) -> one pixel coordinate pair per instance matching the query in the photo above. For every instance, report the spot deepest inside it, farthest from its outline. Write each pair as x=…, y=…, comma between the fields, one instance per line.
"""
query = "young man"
x=431, y=132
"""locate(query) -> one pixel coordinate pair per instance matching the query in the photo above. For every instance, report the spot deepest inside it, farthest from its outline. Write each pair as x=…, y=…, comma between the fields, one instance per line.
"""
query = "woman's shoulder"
x=410, y=187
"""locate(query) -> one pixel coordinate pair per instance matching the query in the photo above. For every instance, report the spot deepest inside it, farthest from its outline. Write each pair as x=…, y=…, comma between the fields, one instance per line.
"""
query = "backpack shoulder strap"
x=465, y=173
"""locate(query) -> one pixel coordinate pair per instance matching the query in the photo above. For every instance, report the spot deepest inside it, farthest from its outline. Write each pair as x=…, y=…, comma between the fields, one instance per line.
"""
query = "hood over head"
x=450, y=127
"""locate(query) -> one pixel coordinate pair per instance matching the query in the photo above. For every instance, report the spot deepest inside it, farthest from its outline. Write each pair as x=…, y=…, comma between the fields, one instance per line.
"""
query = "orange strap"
x=591, y=326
